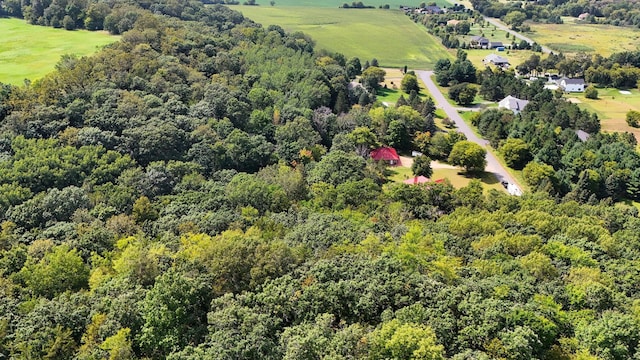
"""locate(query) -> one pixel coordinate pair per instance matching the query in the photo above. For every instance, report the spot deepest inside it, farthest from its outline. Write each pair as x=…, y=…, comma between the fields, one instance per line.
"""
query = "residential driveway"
x=504, y=27
x=493, y=165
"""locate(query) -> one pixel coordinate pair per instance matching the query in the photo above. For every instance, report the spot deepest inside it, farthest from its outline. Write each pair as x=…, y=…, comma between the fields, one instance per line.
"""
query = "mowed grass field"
x=393, y=4
x=611, y=107
x=572, y=37
x=387, y=35
x=30, y=52
x=457, y=177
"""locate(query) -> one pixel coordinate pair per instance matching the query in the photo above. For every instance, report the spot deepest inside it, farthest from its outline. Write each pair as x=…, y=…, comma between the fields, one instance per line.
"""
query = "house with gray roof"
x=512, y=103
x=497, y=60
x=479, y=42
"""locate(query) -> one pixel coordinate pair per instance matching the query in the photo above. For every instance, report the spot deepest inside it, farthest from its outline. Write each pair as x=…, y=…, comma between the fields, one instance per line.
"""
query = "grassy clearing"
x=393, y=4
x=611, y=107
x=387, y=35
x=515, y=57
x=572, y=37
x=392, y=92
x=457, y=177
x=490, y=32
x=30, y=52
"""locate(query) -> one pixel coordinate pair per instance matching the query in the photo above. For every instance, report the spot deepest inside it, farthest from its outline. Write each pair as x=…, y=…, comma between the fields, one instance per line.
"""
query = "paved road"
x=504, y=27
x=493, y=165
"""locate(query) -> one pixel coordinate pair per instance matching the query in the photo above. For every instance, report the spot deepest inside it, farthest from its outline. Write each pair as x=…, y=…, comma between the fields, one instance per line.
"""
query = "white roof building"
x=512, y=103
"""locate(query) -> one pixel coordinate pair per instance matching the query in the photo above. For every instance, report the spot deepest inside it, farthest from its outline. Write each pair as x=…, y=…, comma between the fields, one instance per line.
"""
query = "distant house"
x=495, y=44
x=583, y=16
x=582, y=135
x=571, y=85
x=479, y=42
x=497, y=60
x=453, y=22
x=433, y=10
x=386, y=154
x=512, y=103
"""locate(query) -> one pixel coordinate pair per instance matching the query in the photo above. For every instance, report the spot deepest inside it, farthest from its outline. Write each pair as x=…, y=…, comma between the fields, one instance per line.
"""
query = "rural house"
x=512, y=103
x=571, y=85
x=386, y=154
x=496, y=45
x=479, y=42
x=497, y=60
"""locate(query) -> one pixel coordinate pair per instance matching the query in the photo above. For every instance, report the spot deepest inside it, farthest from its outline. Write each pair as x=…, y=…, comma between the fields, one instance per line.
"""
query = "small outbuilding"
x=386, y=154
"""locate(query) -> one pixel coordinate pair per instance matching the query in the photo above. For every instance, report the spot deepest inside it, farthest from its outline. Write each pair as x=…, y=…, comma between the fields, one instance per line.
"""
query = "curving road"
x=504, y=27
x=493, y=165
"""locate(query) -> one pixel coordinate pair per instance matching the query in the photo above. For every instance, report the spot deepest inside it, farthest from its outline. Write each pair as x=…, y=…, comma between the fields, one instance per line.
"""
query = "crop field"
x=577, y=37
x=30, y=52
x=393, y=4
x=387, y=35
x=611, y=107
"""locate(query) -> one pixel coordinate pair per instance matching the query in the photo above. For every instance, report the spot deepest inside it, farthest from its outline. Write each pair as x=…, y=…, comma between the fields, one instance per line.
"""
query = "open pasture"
x=393, y=4
x=612, y=107
x=387, y=35
x=590, y=38
x=30, y=51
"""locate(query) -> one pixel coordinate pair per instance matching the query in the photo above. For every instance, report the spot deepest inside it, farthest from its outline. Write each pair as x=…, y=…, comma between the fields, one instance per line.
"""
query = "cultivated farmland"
x=387, y=35
x=30, y=52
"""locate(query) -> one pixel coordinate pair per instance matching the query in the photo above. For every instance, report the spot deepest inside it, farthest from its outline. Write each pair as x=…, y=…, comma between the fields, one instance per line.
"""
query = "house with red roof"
x=386, y=154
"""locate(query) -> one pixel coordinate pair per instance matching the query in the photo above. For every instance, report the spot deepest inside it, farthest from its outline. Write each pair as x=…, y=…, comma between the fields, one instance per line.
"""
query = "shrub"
x=590, y=92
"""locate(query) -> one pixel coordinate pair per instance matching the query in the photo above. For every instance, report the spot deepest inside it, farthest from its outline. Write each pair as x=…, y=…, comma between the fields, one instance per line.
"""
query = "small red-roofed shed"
x=386, y=154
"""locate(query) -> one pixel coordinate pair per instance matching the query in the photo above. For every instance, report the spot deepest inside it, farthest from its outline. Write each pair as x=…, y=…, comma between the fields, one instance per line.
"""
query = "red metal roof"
x=385, y=153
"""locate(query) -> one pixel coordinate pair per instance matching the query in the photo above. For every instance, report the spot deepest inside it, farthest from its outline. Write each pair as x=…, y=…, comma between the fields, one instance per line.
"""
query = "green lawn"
x=387, y=35
x=30, y=52
x=572, y=37
x=457, y=177
x=393, y=4
x=392, y=92
x=611, y=107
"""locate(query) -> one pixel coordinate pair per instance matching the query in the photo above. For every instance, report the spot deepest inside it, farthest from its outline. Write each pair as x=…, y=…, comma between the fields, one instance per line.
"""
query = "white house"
x=572, y=85
x=514, y=104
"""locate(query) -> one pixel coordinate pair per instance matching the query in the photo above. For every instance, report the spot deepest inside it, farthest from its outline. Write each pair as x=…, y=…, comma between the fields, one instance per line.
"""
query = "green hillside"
x=389, y=36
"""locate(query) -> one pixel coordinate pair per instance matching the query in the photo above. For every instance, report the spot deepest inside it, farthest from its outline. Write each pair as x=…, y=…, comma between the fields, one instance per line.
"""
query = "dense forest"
x=201, y=190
